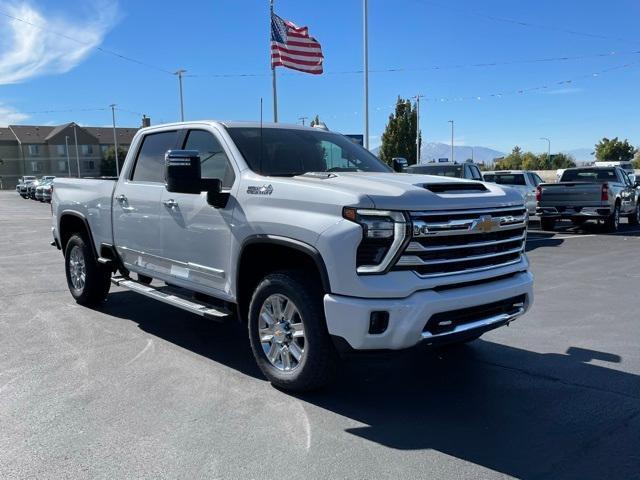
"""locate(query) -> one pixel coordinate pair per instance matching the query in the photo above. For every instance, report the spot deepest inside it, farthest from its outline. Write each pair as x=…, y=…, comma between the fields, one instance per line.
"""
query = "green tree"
x=315, y=121
x=530, y=161
x=513, y=161
x=399, y=137
x=614, y=150
x=636, y=160
x=108, y=164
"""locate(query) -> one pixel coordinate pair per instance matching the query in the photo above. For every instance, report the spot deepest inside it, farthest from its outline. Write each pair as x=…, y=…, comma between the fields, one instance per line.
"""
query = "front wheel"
x=288, y=332
x=88, y=281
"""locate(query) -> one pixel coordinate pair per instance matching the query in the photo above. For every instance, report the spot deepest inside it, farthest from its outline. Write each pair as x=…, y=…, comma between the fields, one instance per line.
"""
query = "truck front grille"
x=464, y=241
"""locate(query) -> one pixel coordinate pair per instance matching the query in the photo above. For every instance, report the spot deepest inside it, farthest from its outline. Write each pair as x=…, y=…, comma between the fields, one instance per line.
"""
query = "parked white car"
x=522, y=180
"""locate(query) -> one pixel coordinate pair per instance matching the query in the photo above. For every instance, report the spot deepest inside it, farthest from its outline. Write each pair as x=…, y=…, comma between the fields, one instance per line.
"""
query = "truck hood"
x=403, y=191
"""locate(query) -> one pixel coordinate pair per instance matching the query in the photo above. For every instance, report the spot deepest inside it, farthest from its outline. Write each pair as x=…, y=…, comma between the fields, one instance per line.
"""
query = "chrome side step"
x=166, y=295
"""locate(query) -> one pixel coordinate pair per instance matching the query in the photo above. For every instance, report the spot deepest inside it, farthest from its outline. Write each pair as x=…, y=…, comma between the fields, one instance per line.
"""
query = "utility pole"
x=548, y=148
x=75, y=134
x=365, y=41
x=115, y=137
x=418, y=97
x=452, y=157
x=66, y=145
x=472, y=159
x=179, y=73
x=302, y=119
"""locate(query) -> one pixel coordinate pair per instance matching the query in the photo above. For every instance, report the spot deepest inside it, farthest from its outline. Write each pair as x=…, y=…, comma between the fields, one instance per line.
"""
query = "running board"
x=172, y=298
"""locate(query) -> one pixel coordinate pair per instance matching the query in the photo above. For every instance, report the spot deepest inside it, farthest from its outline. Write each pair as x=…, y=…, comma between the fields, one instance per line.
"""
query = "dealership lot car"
x=522, y=180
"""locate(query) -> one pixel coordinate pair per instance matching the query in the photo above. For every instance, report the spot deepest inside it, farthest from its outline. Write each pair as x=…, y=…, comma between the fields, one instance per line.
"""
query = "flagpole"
x=273, y=74
x=365, y=41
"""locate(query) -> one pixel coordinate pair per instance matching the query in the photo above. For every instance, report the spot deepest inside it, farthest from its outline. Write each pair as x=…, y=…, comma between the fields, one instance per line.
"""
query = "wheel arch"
x=260, y=254
x=72, y=221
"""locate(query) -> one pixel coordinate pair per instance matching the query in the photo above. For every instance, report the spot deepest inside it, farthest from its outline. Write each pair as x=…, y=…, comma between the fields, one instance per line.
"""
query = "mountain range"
x=435, y=150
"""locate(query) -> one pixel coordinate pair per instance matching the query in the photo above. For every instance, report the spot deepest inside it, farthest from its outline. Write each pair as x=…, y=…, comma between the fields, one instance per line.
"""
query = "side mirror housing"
x=182, y=171
x=399, y=164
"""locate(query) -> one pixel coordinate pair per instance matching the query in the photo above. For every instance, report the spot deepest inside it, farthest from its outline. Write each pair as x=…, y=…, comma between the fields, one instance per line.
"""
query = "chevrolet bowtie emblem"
x=484, y=224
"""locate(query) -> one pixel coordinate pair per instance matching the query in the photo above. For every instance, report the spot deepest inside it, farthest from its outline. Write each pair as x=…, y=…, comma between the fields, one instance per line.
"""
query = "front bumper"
x=349, y=317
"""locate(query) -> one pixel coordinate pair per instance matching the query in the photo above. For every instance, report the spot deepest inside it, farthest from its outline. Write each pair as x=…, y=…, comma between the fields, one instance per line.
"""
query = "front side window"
x=289, y=152
x=214, y=162
x=475, y=172
x=150, y=162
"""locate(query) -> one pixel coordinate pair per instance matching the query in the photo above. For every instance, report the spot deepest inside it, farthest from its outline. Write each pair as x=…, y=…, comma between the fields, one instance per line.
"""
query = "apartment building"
x=63, y=150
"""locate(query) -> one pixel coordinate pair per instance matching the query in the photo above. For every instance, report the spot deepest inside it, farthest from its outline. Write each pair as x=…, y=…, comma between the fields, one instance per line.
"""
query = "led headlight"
x=384, y=233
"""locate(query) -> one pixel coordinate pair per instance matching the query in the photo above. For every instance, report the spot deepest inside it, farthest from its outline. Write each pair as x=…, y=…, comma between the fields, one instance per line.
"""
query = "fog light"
x=378, y=322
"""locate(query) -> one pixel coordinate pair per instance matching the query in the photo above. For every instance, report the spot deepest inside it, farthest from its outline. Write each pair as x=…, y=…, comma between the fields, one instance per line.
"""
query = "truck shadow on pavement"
x=514, y=411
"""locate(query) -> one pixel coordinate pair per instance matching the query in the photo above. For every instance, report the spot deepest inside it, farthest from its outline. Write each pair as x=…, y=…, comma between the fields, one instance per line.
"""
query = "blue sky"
x=42, y=71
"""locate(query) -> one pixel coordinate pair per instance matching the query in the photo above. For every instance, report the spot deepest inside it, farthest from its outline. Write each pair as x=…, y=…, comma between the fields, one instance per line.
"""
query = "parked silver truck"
x=590, y=193
x=305, y=236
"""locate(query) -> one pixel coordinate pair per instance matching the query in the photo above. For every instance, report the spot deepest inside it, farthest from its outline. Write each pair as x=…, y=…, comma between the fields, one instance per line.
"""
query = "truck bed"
x=89, y=197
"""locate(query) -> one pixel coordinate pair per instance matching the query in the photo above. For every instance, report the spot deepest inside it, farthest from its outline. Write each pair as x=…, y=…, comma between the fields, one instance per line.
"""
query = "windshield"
x=288, y=152
x=505, y=178
x=455, y=171
x=593, y=175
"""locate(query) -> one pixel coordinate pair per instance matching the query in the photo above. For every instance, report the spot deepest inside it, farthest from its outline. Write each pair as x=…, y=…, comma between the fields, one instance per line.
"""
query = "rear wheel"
x=288, y=332
x=612, y=222
x=547, y=223
x=634, y=218
x=88, y=281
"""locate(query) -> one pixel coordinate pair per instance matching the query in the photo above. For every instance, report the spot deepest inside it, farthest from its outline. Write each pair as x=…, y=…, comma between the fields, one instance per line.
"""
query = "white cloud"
x=9, y=116
x=29, y=51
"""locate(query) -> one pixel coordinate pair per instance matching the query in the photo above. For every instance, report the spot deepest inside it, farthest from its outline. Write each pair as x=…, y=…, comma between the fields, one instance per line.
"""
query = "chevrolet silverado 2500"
x=589, y=193
x=305, y=236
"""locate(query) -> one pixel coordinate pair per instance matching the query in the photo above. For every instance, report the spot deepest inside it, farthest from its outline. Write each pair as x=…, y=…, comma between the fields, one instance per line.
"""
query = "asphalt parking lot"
x=138, y=389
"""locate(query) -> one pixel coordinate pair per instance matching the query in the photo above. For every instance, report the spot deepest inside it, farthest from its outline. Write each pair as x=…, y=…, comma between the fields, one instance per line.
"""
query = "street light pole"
x=302, y=119
x=66, y=148
x=548, y=148
x=365, y=41
x=472, y=159
x=452, y=158
x=179, y=73
x=115, y=137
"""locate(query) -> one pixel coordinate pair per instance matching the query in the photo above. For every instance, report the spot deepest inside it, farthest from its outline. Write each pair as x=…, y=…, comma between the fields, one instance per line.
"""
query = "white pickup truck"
x=305, y=236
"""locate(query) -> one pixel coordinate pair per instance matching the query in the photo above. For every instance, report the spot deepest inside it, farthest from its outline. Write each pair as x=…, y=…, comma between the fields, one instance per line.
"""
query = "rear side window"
x=213, y=159
x=150, y=162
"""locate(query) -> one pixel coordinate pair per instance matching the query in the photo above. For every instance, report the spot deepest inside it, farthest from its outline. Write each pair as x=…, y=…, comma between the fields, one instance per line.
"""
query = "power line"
x=85, y=43
x=343, y=72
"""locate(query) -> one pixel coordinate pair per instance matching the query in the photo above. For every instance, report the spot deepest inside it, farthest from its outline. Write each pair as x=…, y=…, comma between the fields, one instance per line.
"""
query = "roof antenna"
x=261, y=172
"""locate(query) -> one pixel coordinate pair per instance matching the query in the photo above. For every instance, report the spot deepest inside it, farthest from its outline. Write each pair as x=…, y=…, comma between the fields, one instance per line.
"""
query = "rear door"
x=197, y=236
x=136, y=206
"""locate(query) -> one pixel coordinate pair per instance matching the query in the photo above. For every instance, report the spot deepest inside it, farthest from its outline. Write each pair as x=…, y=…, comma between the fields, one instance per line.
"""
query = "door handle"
x=121, y=198
x=171, y=203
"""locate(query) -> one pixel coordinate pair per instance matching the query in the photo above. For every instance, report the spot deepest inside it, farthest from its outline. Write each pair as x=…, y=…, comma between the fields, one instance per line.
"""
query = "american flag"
x=292, y=47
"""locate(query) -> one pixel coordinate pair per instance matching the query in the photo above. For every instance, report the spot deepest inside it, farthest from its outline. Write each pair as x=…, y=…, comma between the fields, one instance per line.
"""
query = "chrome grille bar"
x=463, y=241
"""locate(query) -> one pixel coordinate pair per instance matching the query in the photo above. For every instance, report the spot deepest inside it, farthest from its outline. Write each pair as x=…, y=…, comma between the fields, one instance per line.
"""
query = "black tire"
x=317, y=364
x=97, y=279
x=634, y=218
x=547, y=223
x=144, y=279
x=612, y=222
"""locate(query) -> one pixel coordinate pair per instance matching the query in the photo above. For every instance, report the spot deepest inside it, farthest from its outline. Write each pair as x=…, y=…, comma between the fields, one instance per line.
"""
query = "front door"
x=136, y=206
x=196, y=236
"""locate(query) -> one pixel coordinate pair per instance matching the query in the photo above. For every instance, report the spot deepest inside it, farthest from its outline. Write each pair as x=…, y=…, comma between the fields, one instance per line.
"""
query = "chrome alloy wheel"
x=77, y=268
x=281, y=332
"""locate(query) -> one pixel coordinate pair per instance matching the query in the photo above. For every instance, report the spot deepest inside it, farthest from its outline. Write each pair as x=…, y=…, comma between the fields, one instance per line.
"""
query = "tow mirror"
x=399, y=164
x=182, y=171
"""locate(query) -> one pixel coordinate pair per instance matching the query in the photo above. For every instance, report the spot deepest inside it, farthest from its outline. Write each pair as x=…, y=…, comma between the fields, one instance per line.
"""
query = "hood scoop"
x=466, y=187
